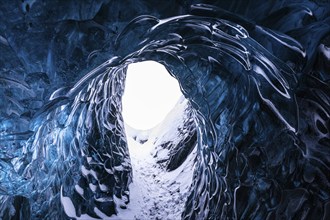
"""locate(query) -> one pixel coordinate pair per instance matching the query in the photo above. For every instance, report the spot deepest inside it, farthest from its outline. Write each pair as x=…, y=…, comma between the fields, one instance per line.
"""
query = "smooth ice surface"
x=255, y=75
x=150, y=93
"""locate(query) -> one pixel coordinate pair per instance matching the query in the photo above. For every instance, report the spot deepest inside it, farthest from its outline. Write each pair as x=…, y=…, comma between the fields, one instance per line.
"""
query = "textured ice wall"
x=257, y=76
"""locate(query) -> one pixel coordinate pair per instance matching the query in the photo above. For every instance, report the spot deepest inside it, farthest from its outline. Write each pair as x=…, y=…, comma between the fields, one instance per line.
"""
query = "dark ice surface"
x=256, y=74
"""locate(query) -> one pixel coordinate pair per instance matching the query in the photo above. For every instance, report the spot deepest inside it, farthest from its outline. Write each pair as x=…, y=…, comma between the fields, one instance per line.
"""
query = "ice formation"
x=255, y=74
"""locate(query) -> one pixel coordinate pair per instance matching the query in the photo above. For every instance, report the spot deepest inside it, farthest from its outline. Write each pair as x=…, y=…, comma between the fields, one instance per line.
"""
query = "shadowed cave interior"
x=254, y=131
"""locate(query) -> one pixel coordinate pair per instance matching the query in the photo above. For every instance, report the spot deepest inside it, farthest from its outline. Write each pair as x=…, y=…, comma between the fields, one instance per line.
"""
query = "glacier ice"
x=255, y=74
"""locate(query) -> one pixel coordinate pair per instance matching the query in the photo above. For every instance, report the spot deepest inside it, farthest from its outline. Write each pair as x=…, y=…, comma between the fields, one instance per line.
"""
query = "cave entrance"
x=154, y=112
x=150, y=94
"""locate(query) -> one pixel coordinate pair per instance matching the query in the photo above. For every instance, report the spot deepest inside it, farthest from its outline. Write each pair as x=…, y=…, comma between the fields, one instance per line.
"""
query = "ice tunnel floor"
x=155, y=193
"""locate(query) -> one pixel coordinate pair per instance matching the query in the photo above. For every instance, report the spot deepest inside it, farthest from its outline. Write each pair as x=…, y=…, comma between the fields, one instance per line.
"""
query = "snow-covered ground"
x=155, y=193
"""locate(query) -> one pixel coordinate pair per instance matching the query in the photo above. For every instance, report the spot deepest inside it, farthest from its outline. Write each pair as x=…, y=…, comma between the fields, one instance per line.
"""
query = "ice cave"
x=248, y=138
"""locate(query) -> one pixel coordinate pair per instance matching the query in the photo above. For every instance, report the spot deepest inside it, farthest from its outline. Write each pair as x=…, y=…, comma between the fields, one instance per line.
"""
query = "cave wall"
x=256, y=73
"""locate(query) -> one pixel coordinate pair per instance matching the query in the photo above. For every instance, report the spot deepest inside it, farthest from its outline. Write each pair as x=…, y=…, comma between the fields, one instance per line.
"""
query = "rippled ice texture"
x=256, y=75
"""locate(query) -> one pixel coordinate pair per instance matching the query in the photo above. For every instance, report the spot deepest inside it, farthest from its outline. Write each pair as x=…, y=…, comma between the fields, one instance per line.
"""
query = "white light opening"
x=150, y=94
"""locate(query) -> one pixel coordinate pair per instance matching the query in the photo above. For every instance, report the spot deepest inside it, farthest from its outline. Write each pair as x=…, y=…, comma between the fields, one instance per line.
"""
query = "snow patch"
x=156, y=193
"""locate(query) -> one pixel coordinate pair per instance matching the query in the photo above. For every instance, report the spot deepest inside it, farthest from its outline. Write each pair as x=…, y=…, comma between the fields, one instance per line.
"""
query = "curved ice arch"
x=245, y=106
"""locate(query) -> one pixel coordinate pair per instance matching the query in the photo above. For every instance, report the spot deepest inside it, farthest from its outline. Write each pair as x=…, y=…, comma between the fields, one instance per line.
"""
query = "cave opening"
x=150, y=94
x=158, y=121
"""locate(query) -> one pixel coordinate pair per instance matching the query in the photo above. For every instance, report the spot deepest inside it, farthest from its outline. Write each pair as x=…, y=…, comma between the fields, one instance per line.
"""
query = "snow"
x=70, y=210
x=167, y=129
x=155, y=193
x=68, y=205
x=79, y=190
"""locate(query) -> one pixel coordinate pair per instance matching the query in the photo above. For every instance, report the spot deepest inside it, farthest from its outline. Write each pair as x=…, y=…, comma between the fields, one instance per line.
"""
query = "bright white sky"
x=150, y=93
